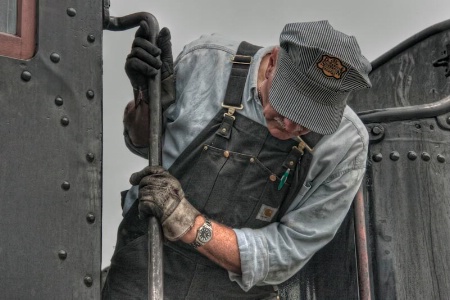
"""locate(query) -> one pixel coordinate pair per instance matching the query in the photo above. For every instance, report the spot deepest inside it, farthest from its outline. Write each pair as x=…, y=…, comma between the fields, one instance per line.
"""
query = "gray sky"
x=378, y=25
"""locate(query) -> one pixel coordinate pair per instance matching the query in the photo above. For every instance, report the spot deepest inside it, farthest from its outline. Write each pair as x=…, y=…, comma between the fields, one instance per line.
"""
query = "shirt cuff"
x=254, y=255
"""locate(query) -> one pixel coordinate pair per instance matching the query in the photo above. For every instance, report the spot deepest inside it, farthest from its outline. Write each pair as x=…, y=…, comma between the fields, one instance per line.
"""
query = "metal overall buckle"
x=241, y=59
x=231, y=110
x=302, y=145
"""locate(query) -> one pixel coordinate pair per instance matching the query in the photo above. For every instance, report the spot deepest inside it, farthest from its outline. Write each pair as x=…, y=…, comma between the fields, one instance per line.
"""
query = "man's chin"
x=279, y=134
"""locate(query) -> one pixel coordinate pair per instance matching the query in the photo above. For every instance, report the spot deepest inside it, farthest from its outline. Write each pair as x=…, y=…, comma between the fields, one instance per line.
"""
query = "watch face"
x=204, y=235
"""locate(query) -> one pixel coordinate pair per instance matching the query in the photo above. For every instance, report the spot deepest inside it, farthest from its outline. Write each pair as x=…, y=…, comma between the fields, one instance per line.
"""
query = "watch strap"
x=198, y=242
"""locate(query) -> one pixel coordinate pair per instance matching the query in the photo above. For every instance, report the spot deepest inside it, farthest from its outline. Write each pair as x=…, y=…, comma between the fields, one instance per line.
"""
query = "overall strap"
x=236, y=84
x=239, y=71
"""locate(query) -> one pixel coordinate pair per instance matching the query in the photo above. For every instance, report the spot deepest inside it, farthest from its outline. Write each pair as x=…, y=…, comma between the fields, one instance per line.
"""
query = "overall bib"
x=231, y=173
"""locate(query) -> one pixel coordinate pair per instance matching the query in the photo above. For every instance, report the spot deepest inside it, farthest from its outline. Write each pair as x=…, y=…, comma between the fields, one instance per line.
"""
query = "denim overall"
x=231, y=172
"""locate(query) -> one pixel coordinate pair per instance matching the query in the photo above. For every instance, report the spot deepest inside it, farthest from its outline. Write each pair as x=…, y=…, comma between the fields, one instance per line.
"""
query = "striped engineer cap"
x=317, y=67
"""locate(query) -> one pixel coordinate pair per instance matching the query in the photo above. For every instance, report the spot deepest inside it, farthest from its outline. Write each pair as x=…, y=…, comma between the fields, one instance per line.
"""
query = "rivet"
x=224, y=130
x=90, y=157
x=425, y=156
x=441, y=158
x=273, y=177
x=65, y=121
x=54, y=57
x=252, y=160
x=26, y=76
x=394, y=155
x=448, y=120
x=377, y=157
x=90, y=94
x=71, y=12
x=226, y=154
x=205, y=148
x=418, y=126
x=88, y=281
x=291, y=163
x=59, y=101
x=376, y=130
x=90, y=218
x=91, y=38
x=412, y=155
x=65, y=185
x=62, y=254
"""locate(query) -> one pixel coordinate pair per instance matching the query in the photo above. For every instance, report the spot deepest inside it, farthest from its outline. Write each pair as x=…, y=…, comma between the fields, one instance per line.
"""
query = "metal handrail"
x=155, y=244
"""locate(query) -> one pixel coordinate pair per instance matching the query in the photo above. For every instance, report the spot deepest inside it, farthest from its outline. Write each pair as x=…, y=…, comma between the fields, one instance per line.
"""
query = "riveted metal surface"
x=90, y=94
x=441, y=158
x=408, y=216
x=65, y=121
x=90, y=218
x=72, y=12
x=47, y=186
x=409, y=213
x=377, y=157
x=65, y=186
x=59, y=101
x=62, y=254
x=444, y=121
x=376, y=133
x=412, y=155
x=26, y=76
x=55, y=57
x=394, y=156
x=90, y=157
x=91, y=38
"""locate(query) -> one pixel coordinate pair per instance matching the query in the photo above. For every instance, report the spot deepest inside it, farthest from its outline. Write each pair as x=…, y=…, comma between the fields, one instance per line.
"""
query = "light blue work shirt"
x=272, y=254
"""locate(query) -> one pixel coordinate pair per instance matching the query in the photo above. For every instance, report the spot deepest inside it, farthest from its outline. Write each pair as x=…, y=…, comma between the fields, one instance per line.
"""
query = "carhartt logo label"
x=266, y=213
x=331, y=66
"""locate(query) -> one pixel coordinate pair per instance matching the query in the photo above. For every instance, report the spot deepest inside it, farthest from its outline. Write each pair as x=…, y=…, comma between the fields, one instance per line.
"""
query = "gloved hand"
x=161, y=195
x=143, y=62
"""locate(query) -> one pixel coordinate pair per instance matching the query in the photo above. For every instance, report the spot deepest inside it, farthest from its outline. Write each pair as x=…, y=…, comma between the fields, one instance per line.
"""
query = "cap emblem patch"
x=331, y=66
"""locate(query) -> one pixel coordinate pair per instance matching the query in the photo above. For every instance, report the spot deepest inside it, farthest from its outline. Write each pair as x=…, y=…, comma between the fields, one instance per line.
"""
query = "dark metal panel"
x=50, y=158
x=409, y=75
x=407, y=113
x=410, y=210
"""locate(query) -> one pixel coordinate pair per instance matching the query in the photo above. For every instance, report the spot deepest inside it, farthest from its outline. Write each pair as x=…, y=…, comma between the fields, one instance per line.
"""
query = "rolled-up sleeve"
x=272, y=254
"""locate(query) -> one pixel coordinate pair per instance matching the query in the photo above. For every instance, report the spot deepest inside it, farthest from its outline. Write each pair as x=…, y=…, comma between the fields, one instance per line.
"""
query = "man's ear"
x=272, y=62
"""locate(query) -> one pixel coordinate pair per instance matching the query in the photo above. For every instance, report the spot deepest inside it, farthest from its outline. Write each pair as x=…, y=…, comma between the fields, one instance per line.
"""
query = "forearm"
x=135, y=122
x=222, y=248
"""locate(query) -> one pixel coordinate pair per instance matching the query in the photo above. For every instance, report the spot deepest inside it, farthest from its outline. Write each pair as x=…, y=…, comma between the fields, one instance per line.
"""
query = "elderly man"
x=261, y=161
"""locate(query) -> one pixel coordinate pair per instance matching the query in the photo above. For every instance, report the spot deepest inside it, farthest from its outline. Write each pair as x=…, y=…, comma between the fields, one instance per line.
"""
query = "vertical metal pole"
x=155, y=240
x=361, y=248
x=155, y=245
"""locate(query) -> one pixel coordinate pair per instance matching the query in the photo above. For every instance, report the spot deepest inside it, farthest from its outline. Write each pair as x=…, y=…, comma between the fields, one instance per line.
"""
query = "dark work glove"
x=161, y=195
x=143, y=62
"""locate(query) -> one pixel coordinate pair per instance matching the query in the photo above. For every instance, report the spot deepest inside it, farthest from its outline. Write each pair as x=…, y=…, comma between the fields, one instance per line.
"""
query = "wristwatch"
x=204, y=234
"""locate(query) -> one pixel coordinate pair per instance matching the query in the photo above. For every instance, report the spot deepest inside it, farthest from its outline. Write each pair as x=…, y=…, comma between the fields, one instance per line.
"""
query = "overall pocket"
x=230, y=186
